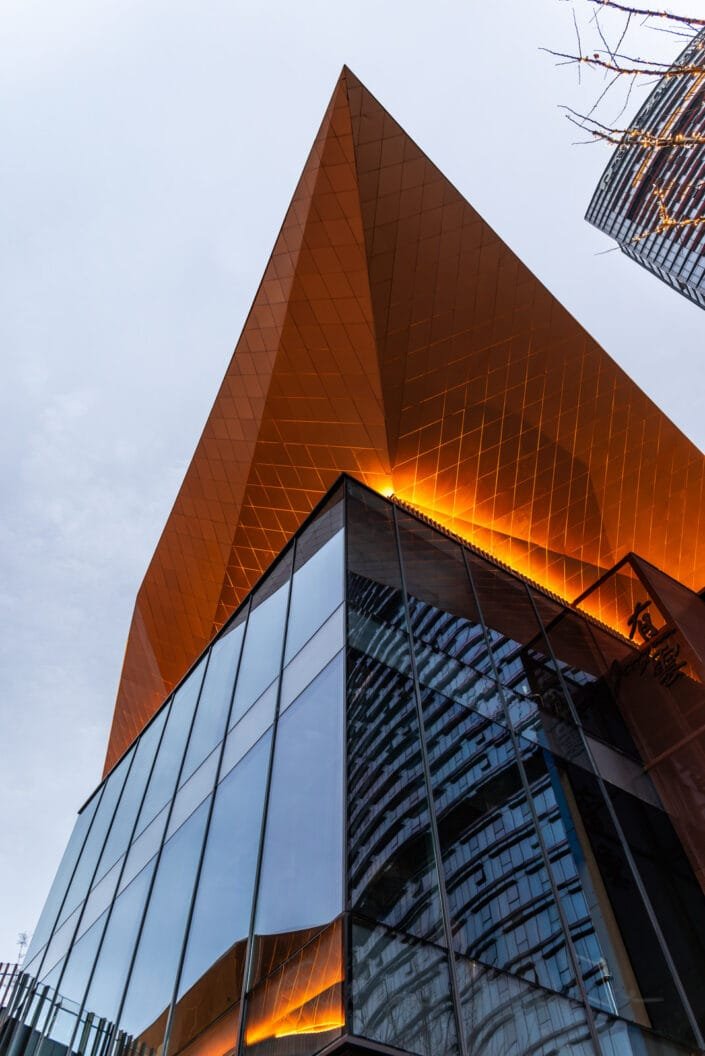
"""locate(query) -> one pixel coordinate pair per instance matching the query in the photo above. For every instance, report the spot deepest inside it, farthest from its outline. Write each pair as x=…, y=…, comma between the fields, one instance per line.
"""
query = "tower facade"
x=403, y=798
x=651, y=197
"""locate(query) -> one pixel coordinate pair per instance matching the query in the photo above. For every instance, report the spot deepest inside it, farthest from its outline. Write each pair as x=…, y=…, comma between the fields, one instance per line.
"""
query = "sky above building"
x=150, y=150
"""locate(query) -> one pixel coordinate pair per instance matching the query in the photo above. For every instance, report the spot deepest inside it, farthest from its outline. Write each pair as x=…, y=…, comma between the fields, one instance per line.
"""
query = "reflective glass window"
x=131, y=798
x=144, y=847
x=316, y=591
x=392, y=869
x=502, y=1014
x=211, y=716
x=318, y=651
x=401, y=993
x=193, y=792
x=113, y=962
x=304, y=842
x=249, y=729
x=501, y=901
x=93, y=846
x=261, y=655
x=100, y=897
x=299, y=1007
x=164, y=776
x=622, y=964
x=154, y=973
x=62, y=878
x=211, y=978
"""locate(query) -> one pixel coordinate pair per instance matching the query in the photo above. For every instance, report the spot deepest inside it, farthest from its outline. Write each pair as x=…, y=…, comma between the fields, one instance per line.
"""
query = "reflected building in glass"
x=407, y=800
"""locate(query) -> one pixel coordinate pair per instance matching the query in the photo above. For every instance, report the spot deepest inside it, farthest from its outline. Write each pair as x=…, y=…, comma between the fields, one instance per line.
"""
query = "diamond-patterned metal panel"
x=397, y=338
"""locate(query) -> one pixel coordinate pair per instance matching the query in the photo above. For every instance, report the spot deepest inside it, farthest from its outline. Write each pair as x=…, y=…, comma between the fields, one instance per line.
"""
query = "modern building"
x=427, y=777
x=651, y=197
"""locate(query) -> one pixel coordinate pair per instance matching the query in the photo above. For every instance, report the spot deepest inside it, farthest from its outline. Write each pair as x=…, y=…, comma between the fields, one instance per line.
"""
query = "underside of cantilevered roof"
x=395, y=337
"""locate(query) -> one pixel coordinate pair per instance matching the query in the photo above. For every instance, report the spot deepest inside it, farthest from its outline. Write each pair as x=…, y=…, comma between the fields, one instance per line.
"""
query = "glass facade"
x=398, y=800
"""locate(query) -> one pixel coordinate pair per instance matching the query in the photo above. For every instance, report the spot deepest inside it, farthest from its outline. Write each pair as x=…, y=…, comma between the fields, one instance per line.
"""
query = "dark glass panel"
x=264, y=636
x=597, y=885
x=62, y=879
x=392, y=872
x=585, y=672
x=317, y=587
x=401, y=993
x=154, y=973
x=517, y=643
x=93, y=846
x=671, y=886
x=303, y=846
x=619, y=1038
x=113, y=962
x=501, y=901
x=164, y=776
x=131, y=798
x=211, y=978
x=506, y=1016
x=212, y=714
x=442, y=606
x=391, y=865
x=298, y=1009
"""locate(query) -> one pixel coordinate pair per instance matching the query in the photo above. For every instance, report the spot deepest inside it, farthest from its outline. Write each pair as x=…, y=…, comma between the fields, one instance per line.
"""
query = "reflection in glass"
x=209, y=724
x=165, y=774
x=211, y=977
x=501, y=901
x=316, y=591
x=401, y=992
x=301, y=883
x=61, y=882
x=131, y=798
x=85, y=870
x=261, y=654
x=149, y=991
x=502, y=1014
x=113, y=962
x=298, y=1009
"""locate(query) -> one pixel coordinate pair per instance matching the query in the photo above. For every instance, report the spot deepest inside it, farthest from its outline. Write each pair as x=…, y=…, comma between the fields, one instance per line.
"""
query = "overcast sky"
x=149, y=151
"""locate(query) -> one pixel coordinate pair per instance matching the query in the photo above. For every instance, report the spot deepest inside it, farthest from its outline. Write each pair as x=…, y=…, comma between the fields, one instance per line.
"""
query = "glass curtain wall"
x=502, y=876
x=395, y=799
x=197, y=906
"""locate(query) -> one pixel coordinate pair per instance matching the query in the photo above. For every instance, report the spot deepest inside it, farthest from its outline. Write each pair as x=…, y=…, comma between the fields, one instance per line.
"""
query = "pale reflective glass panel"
x=131, y=798
x=62, y=879
x=193, y=792
x=94, y=843
x=165, y=773
x=154, y=973
x=144, y=847
x=211, y=978
x=304, y=842
x=249, y=729
x=211, y=716
x=314, y=656
x=261, y=655
x=317, y=590
x=113, y=962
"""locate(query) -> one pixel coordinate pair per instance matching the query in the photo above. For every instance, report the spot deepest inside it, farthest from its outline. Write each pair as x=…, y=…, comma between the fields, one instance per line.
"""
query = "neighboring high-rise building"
x=651, y=198
x=399, y=797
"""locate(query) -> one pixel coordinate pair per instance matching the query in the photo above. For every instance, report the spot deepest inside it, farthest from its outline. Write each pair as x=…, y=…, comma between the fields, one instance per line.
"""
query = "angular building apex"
x=396, y=338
